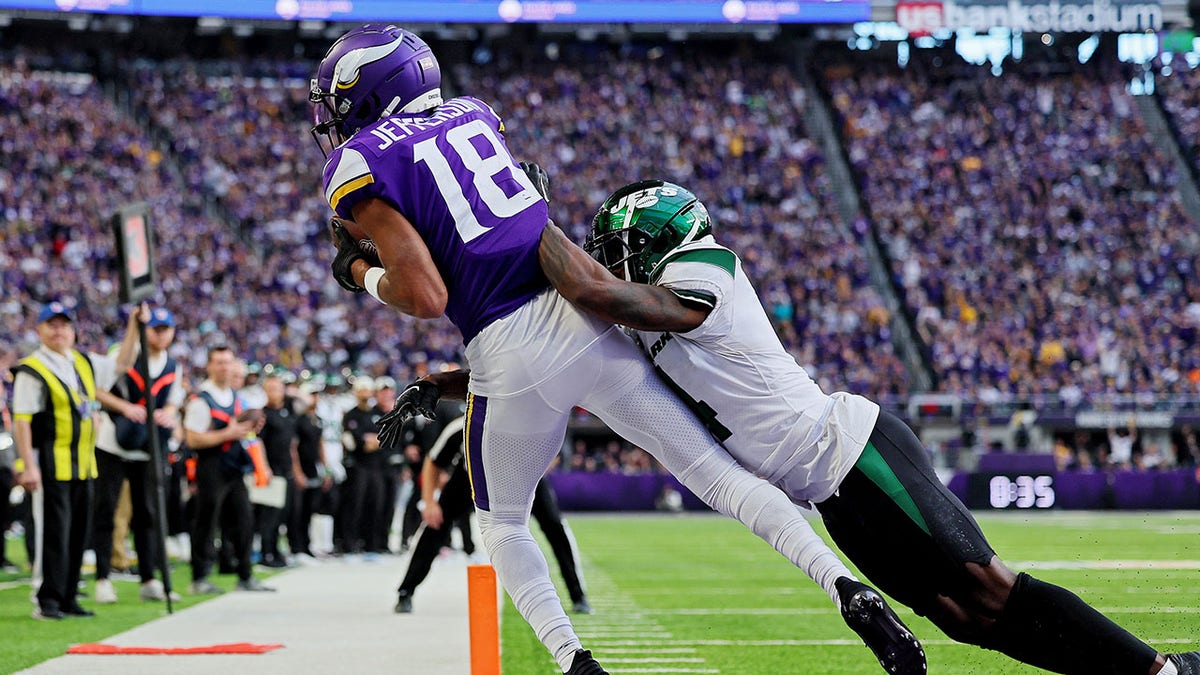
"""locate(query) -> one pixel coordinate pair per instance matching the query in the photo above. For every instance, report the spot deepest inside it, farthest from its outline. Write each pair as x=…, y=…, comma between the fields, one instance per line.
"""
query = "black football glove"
x=539, y=178
x=419, y=398
x=347, y=252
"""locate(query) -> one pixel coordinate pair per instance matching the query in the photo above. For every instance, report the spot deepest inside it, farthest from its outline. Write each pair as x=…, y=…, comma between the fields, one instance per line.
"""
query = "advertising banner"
x=921, y=17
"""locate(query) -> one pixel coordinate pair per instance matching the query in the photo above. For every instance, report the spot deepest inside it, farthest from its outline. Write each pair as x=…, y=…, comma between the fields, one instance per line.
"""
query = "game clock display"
x=1010, y=491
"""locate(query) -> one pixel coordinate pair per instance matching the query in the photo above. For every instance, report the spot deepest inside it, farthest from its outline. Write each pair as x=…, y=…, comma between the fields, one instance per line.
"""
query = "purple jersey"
x=453, y=178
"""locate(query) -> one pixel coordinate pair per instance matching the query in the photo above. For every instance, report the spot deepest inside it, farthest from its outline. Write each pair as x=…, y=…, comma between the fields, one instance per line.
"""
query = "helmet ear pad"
x=359, y=116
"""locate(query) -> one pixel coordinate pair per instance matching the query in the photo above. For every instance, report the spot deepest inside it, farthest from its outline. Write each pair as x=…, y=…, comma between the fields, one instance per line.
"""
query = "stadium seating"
x=1033, y=225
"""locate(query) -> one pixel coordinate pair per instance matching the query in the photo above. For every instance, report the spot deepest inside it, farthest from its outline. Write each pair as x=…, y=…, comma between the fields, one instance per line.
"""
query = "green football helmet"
x=640, y=224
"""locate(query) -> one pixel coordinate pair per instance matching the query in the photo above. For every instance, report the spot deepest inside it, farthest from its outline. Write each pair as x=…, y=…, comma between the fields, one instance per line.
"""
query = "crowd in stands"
x=730, y=128
x=1033, y=225
x=1076, y=277
x=1179, y=92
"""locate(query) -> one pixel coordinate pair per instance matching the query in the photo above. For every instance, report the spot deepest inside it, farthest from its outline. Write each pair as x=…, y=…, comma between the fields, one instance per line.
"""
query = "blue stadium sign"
x=483, y=11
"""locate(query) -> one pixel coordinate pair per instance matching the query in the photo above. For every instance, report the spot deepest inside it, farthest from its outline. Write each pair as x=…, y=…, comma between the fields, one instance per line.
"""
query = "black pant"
x=6, y=484
x=900, y=525
x=387, y=507
x=309, y=501
x=456, y=503
x=214, y=488
x=113, y=471
x=549, y=518
x=411, y=519
x=270, y=519
x=65, y=523
x=177, y=520
x=363, y=506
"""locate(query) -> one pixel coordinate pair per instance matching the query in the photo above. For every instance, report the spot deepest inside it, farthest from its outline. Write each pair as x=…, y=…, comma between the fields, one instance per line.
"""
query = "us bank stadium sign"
x=924, y=17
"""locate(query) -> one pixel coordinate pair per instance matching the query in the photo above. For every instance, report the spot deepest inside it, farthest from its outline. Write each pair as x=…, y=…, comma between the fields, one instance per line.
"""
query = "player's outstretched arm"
x=411, y=281
x=588, y=285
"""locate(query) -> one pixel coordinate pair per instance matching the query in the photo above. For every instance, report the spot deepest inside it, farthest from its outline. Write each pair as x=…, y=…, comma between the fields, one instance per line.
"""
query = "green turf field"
x=700, y=594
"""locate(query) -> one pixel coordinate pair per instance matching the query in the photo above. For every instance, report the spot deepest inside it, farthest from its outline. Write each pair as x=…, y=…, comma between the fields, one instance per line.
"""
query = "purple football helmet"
x=370, y=73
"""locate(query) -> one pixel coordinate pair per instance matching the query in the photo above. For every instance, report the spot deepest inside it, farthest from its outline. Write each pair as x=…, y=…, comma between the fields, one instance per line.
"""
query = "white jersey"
x=747, y=388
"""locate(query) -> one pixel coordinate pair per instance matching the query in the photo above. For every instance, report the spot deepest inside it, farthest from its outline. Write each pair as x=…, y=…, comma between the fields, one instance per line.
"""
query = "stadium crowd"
x=1179, y=92
x=1033, y=225
x=826, y=307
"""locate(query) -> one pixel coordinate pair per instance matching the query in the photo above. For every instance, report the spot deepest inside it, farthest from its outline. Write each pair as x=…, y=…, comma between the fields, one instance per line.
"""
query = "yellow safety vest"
x=64, y=433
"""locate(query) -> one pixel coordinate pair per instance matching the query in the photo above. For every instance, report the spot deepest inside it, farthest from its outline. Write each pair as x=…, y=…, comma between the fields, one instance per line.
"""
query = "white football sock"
x=1169, y=669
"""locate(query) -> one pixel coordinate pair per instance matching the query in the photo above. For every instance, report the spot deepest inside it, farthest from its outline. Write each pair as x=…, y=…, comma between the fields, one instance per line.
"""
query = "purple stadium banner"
x=1130, y=490
x=1069, y=490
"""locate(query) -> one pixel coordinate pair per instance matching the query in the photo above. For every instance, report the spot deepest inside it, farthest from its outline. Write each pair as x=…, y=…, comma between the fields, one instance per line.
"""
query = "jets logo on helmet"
x=372, y=72
x=641, y=223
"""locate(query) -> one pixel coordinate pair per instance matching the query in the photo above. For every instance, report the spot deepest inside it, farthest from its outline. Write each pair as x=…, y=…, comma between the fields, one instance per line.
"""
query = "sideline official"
x=55, y=404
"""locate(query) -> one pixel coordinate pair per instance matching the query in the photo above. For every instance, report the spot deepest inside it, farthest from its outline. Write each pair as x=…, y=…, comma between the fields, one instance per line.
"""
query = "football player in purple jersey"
x=457, y=225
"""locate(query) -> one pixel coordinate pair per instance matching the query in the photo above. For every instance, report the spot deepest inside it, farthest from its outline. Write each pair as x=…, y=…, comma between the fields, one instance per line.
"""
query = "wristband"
x=371, y=282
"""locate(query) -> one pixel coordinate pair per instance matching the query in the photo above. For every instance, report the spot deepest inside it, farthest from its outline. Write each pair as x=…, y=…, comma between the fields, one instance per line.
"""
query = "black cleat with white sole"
x=585, y=664
x=867, y=613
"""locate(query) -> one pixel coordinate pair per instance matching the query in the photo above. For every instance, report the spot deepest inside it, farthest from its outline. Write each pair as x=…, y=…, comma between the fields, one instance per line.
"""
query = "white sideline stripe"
x=626, y=622
x=800, y=611
x=785, y=590
x=656, y=660
x=1148, y=610
x=663, y=670
x=819, y=643
x=652, y=650
x=1193, y=565
x=749, y=611
x=629, y=634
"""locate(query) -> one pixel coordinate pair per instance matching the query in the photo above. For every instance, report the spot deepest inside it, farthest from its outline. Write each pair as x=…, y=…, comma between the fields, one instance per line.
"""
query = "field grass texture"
x=701, y=594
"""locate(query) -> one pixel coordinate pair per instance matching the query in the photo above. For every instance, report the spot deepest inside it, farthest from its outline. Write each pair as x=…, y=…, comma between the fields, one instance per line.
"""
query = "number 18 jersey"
x=451, y=175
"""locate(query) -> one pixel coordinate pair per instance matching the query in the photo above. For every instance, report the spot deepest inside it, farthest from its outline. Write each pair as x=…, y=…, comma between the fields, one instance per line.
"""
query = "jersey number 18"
x=483, y=170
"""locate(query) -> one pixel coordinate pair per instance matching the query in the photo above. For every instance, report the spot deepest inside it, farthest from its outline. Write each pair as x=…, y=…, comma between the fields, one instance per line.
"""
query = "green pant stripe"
x=873, y=465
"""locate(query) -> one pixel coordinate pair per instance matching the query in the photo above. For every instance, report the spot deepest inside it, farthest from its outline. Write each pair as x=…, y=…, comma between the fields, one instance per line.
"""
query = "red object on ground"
x=98, y=648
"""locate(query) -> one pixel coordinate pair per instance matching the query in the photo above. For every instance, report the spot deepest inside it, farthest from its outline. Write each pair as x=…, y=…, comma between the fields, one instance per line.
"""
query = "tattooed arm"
x=591, y=287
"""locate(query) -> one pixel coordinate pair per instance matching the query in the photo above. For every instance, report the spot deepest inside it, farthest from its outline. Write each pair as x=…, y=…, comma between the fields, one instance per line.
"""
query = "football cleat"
x=1187, y=663
x=867, y=613
x=584, y=664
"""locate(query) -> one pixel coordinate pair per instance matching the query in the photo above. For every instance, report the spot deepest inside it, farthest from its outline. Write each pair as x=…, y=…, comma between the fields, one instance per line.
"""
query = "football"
x=364, y=242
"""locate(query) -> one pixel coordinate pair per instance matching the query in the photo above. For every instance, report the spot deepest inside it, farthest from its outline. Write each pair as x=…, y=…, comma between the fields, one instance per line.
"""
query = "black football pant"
x=411, y=519
x=113, y=471
x=914, y=539
x=67, y=507
x=456, y=504
x=214, y=489
x=6, y=484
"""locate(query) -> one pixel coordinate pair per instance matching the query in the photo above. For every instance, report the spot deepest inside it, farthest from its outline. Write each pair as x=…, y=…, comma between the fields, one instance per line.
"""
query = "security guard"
x=54, y=404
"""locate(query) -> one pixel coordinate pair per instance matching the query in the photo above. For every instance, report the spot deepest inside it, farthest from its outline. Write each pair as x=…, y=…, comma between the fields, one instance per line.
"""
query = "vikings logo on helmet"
x=370, y=73
x=640, y=224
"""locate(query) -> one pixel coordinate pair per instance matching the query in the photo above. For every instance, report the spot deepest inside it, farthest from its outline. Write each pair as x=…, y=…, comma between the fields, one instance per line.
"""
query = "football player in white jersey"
x=685, y=298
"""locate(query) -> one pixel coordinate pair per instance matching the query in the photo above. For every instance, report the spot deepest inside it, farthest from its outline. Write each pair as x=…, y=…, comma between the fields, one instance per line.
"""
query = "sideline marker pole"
x=485, y=620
